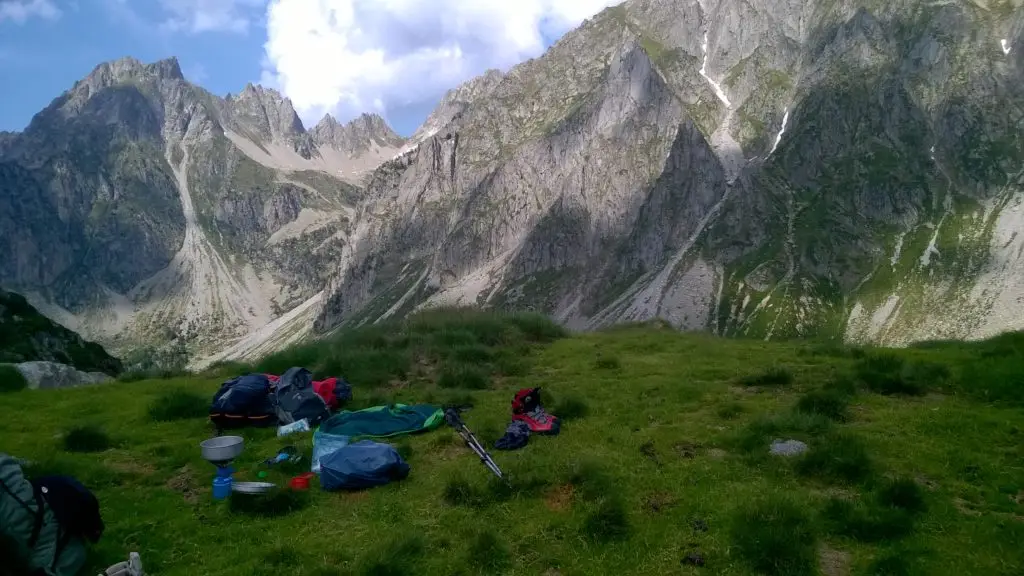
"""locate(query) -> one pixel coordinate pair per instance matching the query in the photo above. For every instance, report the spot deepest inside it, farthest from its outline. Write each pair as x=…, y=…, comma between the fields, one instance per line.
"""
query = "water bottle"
x=222, y=483
x=299, y=426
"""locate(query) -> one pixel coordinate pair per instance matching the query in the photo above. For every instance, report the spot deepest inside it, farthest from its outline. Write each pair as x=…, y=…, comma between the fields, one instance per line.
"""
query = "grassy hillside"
x=915, y=460
x=27, y=335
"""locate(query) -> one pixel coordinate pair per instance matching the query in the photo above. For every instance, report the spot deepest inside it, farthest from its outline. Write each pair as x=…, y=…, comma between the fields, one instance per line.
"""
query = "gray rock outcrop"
x=50, y=375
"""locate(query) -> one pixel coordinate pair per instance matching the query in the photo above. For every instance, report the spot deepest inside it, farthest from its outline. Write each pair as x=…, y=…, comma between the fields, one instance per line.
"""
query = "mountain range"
x=766, y=168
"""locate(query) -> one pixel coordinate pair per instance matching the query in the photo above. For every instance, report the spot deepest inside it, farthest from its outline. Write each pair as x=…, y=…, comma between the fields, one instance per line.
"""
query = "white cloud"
x=197, y=16
x=19, y=11
x=353, y=56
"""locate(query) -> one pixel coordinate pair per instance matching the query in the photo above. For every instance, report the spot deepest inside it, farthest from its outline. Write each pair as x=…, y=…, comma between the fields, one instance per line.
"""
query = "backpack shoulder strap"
x=40, y=513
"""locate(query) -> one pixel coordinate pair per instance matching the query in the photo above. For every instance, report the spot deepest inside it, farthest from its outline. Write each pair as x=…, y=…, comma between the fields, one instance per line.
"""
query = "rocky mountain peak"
x=266, y=112
x=129, y=69
x=357, y=135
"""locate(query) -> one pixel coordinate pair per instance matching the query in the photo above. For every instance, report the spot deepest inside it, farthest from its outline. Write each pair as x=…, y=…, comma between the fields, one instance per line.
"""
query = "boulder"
x=788, y=448
x=46, y=375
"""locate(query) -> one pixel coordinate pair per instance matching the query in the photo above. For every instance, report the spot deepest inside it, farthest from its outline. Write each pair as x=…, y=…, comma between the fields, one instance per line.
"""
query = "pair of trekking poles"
x=452, y=415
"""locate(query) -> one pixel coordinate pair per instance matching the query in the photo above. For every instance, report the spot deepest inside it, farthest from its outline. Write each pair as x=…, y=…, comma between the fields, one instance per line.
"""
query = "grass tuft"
x=776, y=537
x=842, y=384
x=837, y=456
x=994, y=378
x=757, y=436
x=458, y=491
x=463, y=376
x=87, y=438
x=471, y=354
x=488, y=552
x=570, y=408
x=590, y=480
x=903, y=493
x=397, y=557
x=607, y=522
x=829, y=404
x=866, y=523
x=405, y=450
x=178, y=405
x=377, y=355
x=774, y=376
x=10, y=379
x=729, y=410
x=608, y=363
x=888, y=374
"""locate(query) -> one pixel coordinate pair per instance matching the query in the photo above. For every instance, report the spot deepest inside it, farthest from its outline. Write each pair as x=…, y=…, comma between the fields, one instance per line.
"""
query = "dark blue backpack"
x=243, y=401
x=76, y=508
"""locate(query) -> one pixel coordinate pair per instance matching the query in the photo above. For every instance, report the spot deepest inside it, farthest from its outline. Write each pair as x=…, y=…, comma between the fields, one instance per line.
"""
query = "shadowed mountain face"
x=769, y=168
x=140, y=209
x=28, y=336
x=773, y=168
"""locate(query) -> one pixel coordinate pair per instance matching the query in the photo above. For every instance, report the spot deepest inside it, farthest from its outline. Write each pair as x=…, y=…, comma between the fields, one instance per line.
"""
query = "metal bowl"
x=252, y=487
x=222, y=448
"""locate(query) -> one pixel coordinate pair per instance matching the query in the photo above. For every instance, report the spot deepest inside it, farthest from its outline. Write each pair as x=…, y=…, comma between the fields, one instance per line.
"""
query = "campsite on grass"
x=467, y=442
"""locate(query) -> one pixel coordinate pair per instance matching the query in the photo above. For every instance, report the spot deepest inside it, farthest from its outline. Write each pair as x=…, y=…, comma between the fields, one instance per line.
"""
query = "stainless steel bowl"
x=222, y=448
x=252, y=487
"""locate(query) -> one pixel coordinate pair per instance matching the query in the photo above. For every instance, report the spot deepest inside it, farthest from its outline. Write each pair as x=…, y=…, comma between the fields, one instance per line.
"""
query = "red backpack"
x=526, y=407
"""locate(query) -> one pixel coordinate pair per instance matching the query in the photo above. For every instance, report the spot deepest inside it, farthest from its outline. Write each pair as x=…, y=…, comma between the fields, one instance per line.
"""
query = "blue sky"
x=344, y=57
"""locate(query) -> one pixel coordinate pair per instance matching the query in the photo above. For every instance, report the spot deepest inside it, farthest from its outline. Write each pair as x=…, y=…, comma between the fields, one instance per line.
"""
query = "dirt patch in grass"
x=833, y=562
x=658, y=502
x=687, y=449
x=965, y=507
x=559, y=498
x=127, y=465
x=185, y=483
x=717, y=454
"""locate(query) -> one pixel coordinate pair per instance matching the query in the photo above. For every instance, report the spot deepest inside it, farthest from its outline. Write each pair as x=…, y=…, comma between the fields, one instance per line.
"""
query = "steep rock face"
x=772, y=168
x=140, y=209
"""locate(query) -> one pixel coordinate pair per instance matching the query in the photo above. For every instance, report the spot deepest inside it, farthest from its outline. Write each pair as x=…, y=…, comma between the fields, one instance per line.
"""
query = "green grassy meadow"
x=915, y=463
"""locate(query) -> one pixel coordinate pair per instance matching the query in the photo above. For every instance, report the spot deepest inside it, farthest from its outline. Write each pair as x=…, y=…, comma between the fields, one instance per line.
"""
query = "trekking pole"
x=451, y=416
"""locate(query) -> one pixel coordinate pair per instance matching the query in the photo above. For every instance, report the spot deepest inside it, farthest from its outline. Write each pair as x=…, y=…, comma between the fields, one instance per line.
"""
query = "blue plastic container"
x=222, y=483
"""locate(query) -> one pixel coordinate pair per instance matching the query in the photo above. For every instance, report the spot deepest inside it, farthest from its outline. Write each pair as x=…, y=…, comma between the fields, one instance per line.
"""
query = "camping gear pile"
x=262, y=400
x=528, y=417
x=347, y=451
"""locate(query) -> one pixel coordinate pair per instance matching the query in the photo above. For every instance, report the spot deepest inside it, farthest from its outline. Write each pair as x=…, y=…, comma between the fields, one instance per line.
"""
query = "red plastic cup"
x=301, y=482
